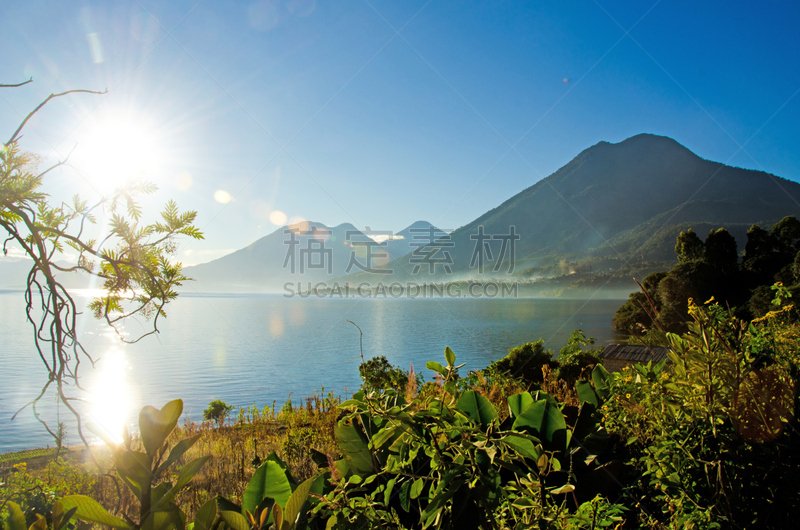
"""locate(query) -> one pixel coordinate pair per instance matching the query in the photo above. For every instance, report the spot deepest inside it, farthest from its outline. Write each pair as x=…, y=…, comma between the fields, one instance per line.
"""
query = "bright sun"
x=117, y=150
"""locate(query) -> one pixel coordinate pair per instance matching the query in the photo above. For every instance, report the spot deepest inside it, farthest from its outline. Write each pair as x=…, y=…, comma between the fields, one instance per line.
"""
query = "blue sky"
x=382, y=113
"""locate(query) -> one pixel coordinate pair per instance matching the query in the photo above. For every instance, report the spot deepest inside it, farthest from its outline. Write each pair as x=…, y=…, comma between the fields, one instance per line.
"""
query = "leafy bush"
x=448, y=461
x=217, y=411
x=378, y=375
x=572, y=359
x=525, y=362
x=715, y=435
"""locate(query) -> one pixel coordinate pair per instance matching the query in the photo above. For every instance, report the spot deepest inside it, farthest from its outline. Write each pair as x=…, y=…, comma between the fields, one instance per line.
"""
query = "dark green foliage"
x=217, y=411
x=787, y=231
x=715, y=434
x=720, y=250
x=768, y=257
x=446, y=461
x=379, y=375
x=570, y=369
x=694, y=280
x=525, y=362
x=689, y=247
x=572, y=359
x=796, y=267
x=637, y=314
x=761, y=259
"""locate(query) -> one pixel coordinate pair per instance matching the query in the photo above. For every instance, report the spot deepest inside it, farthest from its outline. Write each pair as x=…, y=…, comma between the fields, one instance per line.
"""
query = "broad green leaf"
x=601, y=379
x=387, y=495
x=416, y=488
x=90, y=510
x=269, y=480
x=155, y=425
x=204, y=519
x=522, y=445
x=586, y=423
x=39, y=524
x=355, y=448
x=519, y=402
x=60, y=516
x=554, y=423
x=15, y=519
x=235, y=520
x=586, y=393
x=224, y=505
x=169, y=519
x=433, y=508
x=186, y=474
x=532, y=416
x=342, y=467
x=297, y=500
x=384, y=435
x=273, y=457
x=449, y=356
x=405, y=499
x=134, y=469
x=177, y=451
x=436, y=367
x=523, y=503
x=277, y=516
x=566, y=488
x=189, y=471
x=542, y=463
x=477, y=407
x=332, y=522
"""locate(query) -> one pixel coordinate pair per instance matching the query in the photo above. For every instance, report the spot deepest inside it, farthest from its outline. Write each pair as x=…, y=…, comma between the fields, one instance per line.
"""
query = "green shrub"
x=572, y=359
x=217, y=411
x=525, y=362
x=378, y=375
x=715, y=436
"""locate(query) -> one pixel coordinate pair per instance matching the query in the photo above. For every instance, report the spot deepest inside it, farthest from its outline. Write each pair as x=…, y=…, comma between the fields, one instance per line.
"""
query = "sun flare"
x=111, y=396
x=118, y=150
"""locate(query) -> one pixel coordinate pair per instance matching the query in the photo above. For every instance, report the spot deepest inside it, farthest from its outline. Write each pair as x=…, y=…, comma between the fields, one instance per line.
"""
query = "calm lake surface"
x=260, y=348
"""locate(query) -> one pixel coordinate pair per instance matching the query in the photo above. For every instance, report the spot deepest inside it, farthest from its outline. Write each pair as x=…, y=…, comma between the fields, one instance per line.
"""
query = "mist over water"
x=258, y=349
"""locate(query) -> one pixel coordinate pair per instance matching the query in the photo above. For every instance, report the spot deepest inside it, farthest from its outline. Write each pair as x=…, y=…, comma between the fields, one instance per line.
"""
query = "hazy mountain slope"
x=619, y=196
x=263, y=265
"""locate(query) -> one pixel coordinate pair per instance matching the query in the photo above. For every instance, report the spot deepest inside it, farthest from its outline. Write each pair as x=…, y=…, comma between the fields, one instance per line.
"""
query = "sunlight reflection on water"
x=111, y=395
x=260, y=348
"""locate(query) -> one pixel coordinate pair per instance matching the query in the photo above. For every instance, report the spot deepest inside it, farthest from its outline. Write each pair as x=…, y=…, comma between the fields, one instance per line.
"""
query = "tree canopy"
x=713, y=269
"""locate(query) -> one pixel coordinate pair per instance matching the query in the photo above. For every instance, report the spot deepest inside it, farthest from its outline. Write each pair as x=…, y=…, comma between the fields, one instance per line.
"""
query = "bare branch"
x=43, y=103
x=18, y=84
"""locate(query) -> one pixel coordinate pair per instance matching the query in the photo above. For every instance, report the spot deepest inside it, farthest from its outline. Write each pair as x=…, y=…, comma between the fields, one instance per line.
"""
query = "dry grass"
x=235, y=446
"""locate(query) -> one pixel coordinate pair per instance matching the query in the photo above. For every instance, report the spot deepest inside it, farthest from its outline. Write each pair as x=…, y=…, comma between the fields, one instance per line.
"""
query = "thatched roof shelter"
x=618, y=356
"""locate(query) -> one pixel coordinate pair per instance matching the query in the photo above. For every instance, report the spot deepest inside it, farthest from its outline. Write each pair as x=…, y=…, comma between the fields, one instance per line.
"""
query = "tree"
x=525, y=362
x=131, y=259
x=217, y=411
x=379, y=375
x=787, y=231
x=689, y=247
x=761, y=259
x=638, y=314
x=721, y=250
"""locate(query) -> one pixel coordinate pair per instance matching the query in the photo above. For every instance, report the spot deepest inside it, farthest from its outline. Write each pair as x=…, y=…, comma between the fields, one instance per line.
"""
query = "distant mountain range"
x=625, y=201
x=307, y=252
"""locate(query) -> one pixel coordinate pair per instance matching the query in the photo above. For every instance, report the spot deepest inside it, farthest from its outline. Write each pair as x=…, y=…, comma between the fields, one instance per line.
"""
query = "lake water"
x=259, y=349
